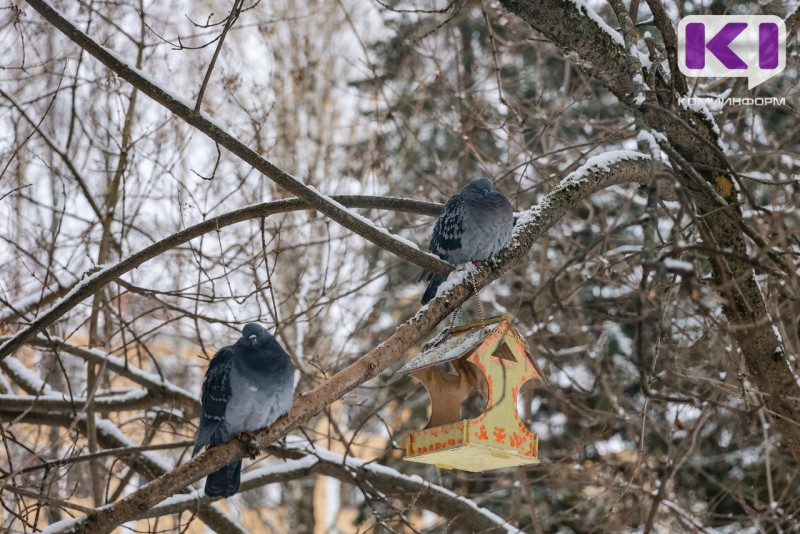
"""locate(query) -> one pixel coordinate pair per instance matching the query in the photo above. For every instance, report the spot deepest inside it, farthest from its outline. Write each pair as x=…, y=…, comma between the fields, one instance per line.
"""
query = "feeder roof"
x=463, y=339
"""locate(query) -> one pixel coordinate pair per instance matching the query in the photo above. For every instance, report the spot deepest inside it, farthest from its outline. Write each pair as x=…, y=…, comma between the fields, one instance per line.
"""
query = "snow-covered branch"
x=155, y=384
x=307, y=460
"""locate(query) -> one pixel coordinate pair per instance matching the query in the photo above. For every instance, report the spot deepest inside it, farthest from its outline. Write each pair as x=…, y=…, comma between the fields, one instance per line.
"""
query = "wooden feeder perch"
x=489, y=357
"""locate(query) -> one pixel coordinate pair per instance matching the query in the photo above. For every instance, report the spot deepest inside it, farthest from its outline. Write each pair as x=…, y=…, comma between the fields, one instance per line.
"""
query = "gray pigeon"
x=475, y=224
x=248, y=386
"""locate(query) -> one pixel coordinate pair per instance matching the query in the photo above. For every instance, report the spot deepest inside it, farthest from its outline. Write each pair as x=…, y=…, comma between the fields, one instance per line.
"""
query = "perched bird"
x=248, y=386
x=475, y=224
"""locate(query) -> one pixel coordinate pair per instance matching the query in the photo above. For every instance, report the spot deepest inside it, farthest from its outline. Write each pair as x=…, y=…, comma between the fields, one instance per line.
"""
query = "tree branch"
x=316, y=460
x=155, y=384
x=133, y=400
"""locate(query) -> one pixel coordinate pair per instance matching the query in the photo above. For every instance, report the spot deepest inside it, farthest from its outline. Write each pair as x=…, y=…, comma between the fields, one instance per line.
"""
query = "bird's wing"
x=449, y=228
x=216, y=394
x=447, y=232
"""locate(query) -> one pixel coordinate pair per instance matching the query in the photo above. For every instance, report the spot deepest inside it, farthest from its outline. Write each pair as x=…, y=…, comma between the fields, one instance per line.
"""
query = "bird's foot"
x=249, y=439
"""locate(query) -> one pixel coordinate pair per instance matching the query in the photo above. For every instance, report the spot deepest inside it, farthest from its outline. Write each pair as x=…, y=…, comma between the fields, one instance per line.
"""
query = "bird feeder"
x=489, y=357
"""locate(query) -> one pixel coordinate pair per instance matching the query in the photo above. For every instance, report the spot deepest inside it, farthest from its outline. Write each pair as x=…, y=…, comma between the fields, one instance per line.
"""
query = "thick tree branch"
x=94, y=282
x=531, y=225
x=184, y=110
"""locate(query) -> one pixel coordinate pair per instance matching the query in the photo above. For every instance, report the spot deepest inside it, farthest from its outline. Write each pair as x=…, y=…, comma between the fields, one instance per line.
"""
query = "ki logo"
x=732, y=45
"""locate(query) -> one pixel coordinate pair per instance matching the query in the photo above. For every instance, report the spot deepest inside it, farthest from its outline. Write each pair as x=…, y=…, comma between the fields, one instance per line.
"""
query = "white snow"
x=288, y=466
x=698, y=106
x=624, y=249
x=100, y=402
x=584, y=7
x=179, y=498
x=63, y=525
x=601, y=162
x=456, y=278
x=23, y=374
x=528, y=216
x=612, y=292
x=612, y=445
x=677, y=265
x=652, y=138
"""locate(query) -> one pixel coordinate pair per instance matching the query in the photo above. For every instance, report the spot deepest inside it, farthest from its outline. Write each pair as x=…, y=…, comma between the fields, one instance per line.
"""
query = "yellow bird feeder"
x=489, y=357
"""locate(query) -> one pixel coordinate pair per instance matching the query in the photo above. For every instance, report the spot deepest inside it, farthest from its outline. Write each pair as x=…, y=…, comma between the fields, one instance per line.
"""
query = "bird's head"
x=484, y=186
x=254, y=335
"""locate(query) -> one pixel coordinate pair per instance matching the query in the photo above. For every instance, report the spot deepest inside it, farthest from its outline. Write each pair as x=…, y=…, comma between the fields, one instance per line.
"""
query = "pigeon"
x=475, y=224
x=248, y=386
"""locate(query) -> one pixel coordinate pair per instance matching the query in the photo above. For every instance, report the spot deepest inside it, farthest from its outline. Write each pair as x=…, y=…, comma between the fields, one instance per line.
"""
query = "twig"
x=234, y=15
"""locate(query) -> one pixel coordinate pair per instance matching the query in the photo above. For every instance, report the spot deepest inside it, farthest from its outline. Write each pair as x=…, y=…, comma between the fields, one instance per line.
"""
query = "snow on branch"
x=24, y=377
x=130, y=400
x=307, y=459
x=154, y=383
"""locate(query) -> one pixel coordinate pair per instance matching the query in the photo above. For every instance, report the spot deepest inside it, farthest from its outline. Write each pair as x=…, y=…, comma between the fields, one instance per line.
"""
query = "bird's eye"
x=252, y=338
x=484, y=190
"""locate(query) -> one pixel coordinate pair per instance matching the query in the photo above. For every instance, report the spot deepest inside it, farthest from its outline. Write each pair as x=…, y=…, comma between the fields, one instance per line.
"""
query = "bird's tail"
x=433, y=285
x=225, y=482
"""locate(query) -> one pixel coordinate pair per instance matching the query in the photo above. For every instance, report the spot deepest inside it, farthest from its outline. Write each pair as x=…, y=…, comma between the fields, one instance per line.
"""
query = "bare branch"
x=229, y=22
